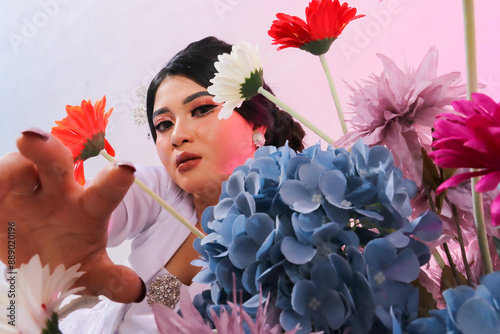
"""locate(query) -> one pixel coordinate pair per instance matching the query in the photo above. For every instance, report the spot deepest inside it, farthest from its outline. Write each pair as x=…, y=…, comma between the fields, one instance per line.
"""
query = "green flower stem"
x=335, y=96
x=461, y=242
x=160, y=201
x=446, y=249
x=477, y=199
x=298, y=116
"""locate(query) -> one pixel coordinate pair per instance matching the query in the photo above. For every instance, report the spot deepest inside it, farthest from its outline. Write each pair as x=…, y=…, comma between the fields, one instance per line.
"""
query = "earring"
x=258, y=139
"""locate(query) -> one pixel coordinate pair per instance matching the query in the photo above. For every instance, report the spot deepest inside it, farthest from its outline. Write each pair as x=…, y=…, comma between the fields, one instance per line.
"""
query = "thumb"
x=117, y=282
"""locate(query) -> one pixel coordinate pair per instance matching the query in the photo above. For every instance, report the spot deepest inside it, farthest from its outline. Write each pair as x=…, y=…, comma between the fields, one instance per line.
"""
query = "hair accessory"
x=139, y=113
x=165, y=290
x=258, y=139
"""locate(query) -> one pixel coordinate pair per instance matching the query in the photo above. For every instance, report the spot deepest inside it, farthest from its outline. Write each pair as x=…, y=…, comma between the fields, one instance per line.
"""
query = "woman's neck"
x=201, y=202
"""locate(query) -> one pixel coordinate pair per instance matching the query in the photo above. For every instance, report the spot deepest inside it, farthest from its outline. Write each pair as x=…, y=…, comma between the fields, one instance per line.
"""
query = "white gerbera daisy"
x=39, y=294
x=238, y=77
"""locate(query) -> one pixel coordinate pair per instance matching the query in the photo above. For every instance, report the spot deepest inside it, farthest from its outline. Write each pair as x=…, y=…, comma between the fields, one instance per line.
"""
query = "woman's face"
x=198, y=150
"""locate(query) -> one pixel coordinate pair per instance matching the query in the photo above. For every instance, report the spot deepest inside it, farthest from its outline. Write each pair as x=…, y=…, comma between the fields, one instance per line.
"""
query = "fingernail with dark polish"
x=126, y=164
x=36, y=132
x=143, y=292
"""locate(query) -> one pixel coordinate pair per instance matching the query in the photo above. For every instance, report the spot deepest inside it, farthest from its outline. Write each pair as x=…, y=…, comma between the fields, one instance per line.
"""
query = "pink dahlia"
x=471, y=139
x=397, y=110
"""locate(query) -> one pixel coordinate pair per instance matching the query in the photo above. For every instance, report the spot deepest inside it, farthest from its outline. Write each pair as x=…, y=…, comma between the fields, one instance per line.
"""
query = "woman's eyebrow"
x=195, y=95
x=160, y=111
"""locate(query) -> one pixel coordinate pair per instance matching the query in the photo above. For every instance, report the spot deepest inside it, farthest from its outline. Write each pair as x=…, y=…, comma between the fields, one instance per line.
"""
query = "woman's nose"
x=181, y=133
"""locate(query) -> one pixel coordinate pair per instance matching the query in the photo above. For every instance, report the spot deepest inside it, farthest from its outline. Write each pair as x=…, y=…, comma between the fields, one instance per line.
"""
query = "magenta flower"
x=471, y=140
x=397, y=110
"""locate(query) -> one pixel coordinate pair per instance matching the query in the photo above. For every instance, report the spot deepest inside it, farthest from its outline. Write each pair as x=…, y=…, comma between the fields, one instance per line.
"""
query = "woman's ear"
x=262, y=129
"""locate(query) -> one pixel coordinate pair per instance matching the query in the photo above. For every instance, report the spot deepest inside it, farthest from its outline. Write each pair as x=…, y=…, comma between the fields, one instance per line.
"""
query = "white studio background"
x=59, y=52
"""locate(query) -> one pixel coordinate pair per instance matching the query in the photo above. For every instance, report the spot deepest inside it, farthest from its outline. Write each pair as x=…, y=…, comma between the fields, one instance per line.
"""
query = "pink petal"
x=485, y=102
x=488, y=182
x=428, y=68
x=495, y=211
x=457, y=179
x=465, y=107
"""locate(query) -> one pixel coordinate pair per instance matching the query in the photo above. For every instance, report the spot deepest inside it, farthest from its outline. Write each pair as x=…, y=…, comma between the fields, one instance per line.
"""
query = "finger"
x=18, y=176
x=53, y=160
x=118, y=283
x=107, y=190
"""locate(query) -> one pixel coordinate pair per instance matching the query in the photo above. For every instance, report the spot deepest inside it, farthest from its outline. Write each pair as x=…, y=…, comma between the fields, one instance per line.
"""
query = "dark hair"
x=196, y=62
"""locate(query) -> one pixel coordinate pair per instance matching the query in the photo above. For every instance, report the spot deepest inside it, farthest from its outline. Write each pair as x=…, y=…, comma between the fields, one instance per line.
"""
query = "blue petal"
x=267, y=168
x=492, y=283
x=379, y=254
x=226, y=230
x=364, y=305
x=259, y=226
x=265, y=248
x=308, y=222
x=290, y=319
x=296, y=252
x=294, y=164
x=242, y=251
x=333, y=185
x=427, y=227
x=398, y=239
x=245, y=203
x=248, y=278
x=224, y=272
x=254, y=302
x=207, y=216
x=335, y=214
x=222, y=208
x=404, y=268
x=264, y=151
x=341, y=266
x=356, y=259
x=205, y=276
x=302, y=293
x=300, y=234
x=295, y=194
x=239, y=225
x=252, y=183
x=456, y=297
x=312, y=150
x=427, y=326
x=333, y=309
x=477, y=316
x=235, y=184
x=325, y=159
x=310, y=174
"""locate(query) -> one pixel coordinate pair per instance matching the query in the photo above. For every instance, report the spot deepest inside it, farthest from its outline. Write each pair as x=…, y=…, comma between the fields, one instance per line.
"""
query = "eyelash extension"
x=157, y=126
x=205, y=108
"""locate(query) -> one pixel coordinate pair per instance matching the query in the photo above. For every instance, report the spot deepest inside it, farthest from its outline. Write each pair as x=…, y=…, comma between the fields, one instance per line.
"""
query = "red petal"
x=79, y=174
x=108, y=148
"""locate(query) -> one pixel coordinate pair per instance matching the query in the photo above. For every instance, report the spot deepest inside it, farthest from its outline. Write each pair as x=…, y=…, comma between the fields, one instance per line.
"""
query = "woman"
x=198, y=152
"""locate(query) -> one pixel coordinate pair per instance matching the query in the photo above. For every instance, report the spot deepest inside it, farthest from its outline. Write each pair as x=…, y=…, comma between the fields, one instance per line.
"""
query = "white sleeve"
x=138, y=211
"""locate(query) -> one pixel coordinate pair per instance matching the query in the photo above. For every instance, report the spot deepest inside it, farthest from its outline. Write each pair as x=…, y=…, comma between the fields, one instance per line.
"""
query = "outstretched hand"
x=55, y=217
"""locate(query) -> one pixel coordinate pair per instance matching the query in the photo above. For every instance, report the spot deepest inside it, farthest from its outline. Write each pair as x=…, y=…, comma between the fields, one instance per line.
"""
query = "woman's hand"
x=60, y=220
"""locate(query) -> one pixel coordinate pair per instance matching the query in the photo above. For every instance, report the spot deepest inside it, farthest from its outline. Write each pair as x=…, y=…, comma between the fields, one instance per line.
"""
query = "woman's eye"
x=203, y=109
x=163, y=126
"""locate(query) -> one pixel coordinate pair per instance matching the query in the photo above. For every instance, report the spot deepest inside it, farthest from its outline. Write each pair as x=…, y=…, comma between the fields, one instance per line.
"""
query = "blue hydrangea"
x=323, y=233
x=469, y=311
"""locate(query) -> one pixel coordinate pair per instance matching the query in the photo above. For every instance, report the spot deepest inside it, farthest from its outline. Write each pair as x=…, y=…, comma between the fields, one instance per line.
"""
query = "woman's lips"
x=186, y=161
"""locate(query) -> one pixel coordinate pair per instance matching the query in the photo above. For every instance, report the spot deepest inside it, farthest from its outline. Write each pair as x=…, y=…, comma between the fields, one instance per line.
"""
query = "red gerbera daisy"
x=82, y=131
x=325, y=21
